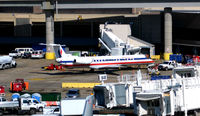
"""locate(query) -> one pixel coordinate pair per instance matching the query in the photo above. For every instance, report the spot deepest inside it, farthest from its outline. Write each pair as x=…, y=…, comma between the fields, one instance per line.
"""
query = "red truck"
x=2, y=91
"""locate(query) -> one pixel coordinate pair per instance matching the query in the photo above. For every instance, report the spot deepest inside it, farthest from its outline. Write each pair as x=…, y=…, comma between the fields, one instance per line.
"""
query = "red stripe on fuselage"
x=97, y=64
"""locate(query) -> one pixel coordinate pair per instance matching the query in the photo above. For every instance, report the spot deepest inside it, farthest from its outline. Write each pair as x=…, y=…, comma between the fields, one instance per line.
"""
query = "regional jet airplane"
x=97, y=62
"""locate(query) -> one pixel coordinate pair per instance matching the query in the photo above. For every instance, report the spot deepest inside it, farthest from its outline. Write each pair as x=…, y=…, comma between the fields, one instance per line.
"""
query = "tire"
x=32, y=111
x=1, y=112
x=14, y=65
x=3, y=67
x=40, y=109
x=166, y=69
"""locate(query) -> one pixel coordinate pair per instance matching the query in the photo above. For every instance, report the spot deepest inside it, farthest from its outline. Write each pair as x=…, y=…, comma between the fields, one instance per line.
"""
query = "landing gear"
x=91, y=70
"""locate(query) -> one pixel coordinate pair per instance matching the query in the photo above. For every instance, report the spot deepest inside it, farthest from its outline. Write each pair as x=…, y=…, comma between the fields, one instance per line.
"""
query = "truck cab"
x=31, y=103
x=167, y=65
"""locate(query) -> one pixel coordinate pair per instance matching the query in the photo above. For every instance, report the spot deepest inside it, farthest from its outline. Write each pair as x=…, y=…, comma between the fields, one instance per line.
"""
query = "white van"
x=22, y=50
x=37, y=54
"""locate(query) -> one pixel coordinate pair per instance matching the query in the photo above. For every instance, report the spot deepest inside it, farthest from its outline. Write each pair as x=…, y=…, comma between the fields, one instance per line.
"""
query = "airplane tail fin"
x=59, y=51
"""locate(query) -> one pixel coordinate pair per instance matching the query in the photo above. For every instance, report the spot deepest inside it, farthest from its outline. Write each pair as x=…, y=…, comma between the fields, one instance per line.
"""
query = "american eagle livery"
x=97, y=62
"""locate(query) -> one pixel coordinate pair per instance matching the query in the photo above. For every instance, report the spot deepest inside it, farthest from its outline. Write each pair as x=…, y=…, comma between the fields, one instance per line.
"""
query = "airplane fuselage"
x=105, y=61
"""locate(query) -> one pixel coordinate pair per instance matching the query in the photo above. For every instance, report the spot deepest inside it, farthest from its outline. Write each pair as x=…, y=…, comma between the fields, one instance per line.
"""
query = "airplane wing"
x=106, y=66
x=83, y=60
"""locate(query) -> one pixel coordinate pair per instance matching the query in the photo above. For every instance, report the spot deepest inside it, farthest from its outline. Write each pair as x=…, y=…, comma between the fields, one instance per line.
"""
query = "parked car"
x=51, y=110
x=24, y=50
x=37, y=54
x=15, y=54
x=73, y=93
x=167, y=65
x=26, y=55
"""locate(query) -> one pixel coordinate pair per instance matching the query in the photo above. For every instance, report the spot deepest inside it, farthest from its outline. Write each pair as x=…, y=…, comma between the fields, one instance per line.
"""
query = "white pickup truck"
x=15, y=54
x=23, y=105
x=167, y=65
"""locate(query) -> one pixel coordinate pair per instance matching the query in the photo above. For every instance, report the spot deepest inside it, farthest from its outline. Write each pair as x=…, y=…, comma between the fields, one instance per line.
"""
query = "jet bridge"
x=111, y=42
x=116, y=39
x=115, y=45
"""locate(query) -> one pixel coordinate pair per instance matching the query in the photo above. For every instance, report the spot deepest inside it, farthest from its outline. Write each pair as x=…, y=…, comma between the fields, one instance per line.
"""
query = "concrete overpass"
x=50, y=6
x=80, y=4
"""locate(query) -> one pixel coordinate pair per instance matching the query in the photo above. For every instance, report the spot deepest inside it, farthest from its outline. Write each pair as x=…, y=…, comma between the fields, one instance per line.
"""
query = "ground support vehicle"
x=18, y=85
x=53, y=67
x=23, y=50
x=167, y=65
x=7, y=62
x=15, y=54
x=176, y=96
x=37, y=54
x=26, y=55
x=2, y=91
x=153, y=69
x=23, y=105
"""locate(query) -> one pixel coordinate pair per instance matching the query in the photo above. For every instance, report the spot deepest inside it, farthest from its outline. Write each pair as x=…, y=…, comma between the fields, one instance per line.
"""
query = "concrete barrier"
x=155, y=57
x=79, y=85
x=50, y=55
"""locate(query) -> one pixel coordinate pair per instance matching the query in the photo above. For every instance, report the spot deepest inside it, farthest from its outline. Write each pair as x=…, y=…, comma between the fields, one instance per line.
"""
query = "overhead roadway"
x=50, y=5
x=88, y=4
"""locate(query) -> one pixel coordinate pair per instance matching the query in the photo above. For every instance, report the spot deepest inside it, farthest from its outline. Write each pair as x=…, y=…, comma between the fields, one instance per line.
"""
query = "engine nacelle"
x=83, y=60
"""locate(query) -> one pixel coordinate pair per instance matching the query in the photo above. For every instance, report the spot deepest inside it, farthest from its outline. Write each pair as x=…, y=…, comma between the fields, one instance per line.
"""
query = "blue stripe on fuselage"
x=140, y=58
x=66, y=61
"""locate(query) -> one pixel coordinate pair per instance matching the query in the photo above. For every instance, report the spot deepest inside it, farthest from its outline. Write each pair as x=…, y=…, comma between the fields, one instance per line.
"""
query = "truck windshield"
x=34, y=101
x=165, y=62
x=72, y=92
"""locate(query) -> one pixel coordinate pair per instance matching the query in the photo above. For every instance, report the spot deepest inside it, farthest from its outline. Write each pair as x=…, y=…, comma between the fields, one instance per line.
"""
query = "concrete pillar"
x=49, y=34
x=168, y=32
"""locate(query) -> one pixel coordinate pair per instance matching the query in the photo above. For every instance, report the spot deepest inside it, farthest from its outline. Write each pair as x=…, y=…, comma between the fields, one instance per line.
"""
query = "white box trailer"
x=78, y=106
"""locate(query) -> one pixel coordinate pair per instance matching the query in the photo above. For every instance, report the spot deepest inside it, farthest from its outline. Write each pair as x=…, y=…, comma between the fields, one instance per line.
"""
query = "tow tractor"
x=19, y=85
x=153, y=69
x=53, y=67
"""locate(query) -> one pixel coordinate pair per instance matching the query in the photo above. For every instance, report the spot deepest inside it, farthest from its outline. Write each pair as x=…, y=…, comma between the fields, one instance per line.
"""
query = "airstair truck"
x=21, y=106
x=177, y=96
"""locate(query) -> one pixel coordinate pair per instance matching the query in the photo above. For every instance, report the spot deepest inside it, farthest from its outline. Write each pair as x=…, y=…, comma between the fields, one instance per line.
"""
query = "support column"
x=168, y=32
x=49, y=34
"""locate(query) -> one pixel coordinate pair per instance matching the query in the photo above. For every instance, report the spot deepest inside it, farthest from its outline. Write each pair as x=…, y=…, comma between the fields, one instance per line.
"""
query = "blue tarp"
x=160, y=77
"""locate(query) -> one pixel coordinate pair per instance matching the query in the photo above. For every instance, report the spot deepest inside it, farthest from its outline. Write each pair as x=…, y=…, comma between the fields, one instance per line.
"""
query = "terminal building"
x=80, y=28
